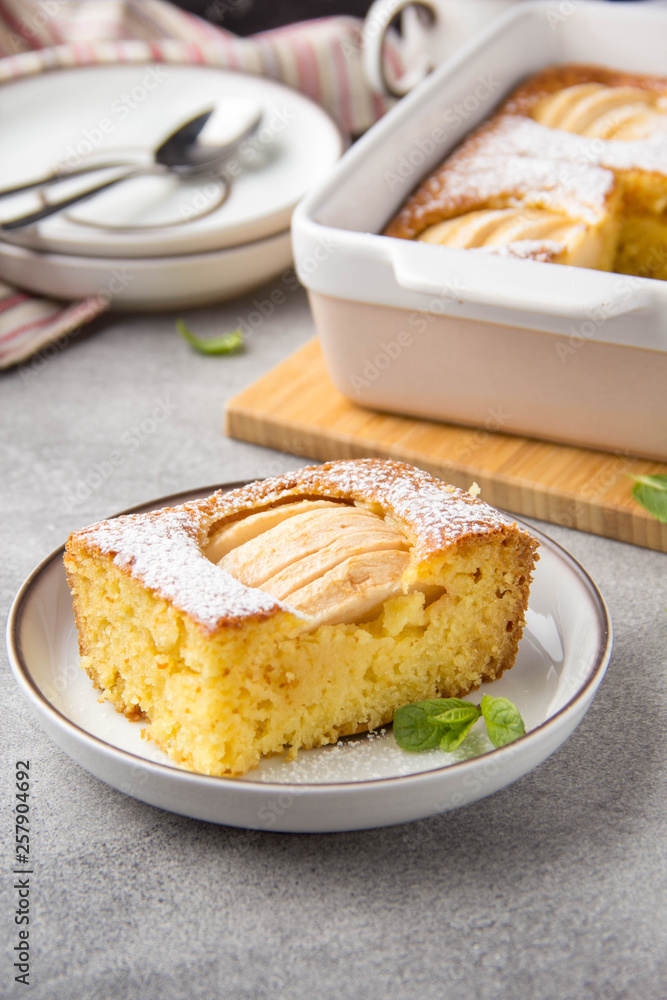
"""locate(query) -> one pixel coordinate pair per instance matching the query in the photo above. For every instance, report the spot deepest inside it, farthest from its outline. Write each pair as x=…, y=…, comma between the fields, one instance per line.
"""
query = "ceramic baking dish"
x=550, y=351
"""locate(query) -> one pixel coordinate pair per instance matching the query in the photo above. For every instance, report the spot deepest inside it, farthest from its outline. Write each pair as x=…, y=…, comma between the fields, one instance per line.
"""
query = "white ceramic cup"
x=431, y=30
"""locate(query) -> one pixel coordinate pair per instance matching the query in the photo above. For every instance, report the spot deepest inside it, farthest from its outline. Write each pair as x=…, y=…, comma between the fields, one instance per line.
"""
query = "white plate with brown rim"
x=363, y=781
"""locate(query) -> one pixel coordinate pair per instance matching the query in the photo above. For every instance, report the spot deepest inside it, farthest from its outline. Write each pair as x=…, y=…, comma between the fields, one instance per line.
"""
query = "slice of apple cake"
x=296, y=610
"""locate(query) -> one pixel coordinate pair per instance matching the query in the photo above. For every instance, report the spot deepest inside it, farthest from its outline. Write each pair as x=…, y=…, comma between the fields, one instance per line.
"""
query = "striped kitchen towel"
x=321, y=58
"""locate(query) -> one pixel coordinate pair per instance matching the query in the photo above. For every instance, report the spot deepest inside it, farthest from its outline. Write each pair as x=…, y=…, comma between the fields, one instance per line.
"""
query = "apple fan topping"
x=498, y=227
x=602, y=112
x=333, y=562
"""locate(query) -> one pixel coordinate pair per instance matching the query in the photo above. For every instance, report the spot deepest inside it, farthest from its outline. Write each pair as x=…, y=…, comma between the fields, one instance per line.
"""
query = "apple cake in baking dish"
x=296, y=610
x=571, y=169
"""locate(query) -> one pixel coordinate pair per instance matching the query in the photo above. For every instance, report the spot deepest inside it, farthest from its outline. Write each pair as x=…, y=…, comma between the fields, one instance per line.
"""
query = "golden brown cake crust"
x=512, y=159
x=164, y=549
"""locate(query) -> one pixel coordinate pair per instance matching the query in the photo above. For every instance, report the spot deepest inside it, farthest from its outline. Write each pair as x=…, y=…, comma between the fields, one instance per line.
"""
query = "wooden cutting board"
x=296, y=409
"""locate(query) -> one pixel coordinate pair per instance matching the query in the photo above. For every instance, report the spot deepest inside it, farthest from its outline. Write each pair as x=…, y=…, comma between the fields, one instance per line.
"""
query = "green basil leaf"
x=457, y=715
x=503, y=720
x=227, y=343
x=456, y=735
x=411, y=725
x=651, y=493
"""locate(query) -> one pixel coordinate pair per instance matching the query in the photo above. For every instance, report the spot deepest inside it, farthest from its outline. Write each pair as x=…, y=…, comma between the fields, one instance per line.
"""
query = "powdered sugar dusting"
x=163, y=548
x=513, y=160
x=500, y=163
x=542, y=250
x=369, y=756
x=497, y=168
x=527, y=138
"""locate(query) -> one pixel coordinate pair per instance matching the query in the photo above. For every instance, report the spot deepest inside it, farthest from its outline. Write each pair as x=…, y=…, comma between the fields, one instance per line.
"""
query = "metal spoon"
x=175, y=145
x=181, y=152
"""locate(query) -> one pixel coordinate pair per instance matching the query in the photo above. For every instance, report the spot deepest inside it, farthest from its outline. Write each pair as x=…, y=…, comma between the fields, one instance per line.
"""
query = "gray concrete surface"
x=552, y=888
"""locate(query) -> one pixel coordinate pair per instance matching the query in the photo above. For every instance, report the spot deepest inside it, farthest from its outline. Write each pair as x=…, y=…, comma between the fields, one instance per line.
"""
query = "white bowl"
x=152, y=283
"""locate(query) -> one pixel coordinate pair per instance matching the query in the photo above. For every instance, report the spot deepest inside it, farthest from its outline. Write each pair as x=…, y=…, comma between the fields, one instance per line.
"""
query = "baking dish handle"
x=463, y=286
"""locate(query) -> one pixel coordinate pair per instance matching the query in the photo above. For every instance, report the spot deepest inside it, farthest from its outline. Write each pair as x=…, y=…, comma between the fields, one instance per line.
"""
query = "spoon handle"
x=57, y=206
x=65, y=176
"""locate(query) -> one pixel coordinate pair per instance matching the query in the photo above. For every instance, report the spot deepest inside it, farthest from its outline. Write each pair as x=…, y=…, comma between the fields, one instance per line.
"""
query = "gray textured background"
x=552, y=888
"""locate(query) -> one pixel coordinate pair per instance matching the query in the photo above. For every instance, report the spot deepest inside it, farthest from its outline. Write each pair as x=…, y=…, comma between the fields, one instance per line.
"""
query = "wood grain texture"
x=296, y=409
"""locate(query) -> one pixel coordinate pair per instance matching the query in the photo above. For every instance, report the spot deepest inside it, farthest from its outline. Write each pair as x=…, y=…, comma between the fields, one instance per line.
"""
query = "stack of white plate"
x=156, y=241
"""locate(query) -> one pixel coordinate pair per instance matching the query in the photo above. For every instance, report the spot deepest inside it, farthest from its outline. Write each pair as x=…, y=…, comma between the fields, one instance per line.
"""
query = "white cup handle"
x=376, y=24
